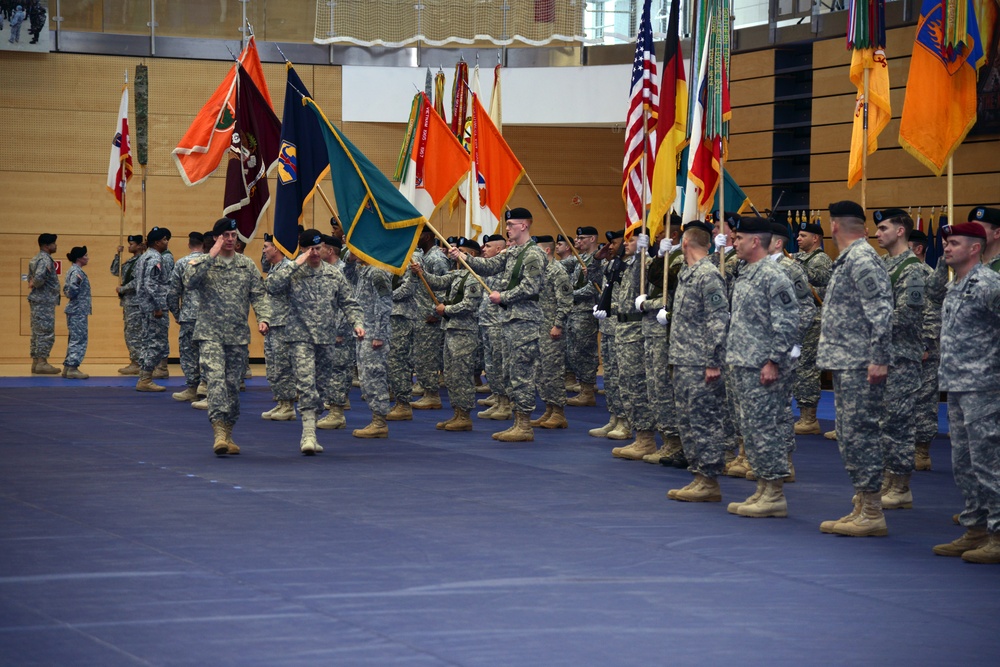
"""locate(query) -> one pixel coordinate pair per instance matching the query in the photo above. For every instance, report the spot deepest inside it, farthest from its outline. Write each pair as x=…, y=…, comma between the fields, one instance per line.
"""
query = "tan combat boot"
x=219, y=445
x=202, y=389
x=145, y=383
x=655, y=457
x=622, y=431
x=200, y=404
x=378, y=428
x=544, y=416
x=897, y=496
x=502, y=411
x=922, y=456
x=334, y=420
x=739, y=467
x=644, y=443
x=267, y=414
x=831, y=435
x=520, y=432
x=701, y=490
x=770, y=503
x=973, y=538
x=870, y=522
x=807, y=423
x=231, y=447
x=430, y=401
x=571, y=383
x=285, y=412
x=161, y=371
x=308, y=444
x=45, y=368
x=131, y=369
x=189, y=394
x=489, y=401
x=34, y=364
x=602, y=431
x=734, y=508
x=987, y=554
x=73, y=373
x=460, y=422
x=557, y=419
x=401, y=412
x=440, y=425
x=827, y=526
x=586, y=397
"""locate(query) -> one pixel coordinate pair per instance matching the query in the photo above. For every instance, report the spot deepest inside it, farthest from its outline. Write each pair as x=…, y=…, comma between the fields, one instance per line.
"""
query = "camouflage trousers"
x=731, y=432
x=927, y=402
x=898, y=441
x=313, y=368
x=480, y=357
x=187, y=350
x=132, y=317
x=223, y=367
x=520, y=355
x=373, y=369
x=787, y=379
x=700, y=407
x=460, y=367
x=76, y=348
x=610, y=361
x=550, y=376
x=807, y=375
x=493, y=359
x=155, y=345
x=43, y=329
x=762, y=421
x=630, y=356
x=858, y=406
x=277, y=364
x=343, y=373
x=400, y=358
x=659, y=385
x=975, y=455
x=428, y=349
x=581, y=349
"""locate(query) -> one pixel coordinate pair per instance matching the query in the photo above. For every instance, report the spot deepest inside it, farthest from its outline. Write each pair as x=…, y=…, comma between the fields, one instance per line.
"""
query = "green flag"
x=380, y=225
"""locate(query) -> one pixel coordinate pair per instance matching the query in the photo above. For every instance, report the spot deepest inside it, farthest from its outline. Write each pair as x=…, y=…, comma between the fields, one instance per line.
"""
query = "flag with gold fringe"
x=866, y=39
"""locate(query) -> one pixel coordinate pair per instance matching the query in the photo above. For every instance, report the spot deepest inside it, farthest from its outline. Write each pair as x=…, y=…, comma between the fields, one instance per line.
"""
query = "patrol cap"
x=309, y=238
x=224, y=225
x=586, y=231
x=518, y=213
x=781, y=229
x=888, y=214
x=198, y=237
x=470, y=244
x=699, y=224
x=490, y=238
x=158, y=233
x=983, y=214
x=135, y=238
x=76, y=253
x=917, y=236
x=45, y=239
x=544, y=239
x=753, y=225
x=973, y=229
x=611, y=236
x=846, y=209
x=811, y=227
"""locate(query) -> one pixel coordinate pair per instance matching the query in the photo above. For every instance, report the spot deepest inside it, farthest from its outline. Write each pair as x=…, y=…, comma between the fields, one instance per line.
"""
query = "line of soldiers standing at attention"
x=711, y=365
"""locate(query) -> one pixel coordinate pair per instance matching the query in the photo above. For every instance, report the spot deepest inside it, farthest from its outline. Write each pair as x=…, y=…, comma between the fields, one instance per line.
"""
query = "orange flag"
x=438, y=163
x=203, y=146
x=879, y=109
x=497, y=171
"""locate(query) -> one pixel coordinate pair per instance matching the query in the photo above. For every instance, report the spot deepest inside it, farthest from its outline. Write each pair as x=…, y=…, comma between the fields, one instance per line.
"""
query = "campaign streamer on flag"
x=120, y=165
x=671, y=125
x=302, y=164
x=640, y=125
x=253, y=153
x=940, y=104
x=380, y=225
x=206, y=141
x=497, y=172
x=437, y=161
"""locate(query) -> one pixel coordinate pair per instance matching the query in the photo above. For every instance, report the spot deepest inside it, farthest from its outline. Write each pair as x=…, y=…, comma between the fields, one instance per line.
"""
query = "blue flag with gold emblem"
x=302, y=164
x=380, y=225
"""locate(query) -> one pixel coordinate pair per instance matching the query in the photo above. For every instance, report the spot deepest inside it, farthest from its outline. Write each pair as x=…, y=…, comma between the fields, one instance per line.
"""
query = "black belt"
x=631, y=317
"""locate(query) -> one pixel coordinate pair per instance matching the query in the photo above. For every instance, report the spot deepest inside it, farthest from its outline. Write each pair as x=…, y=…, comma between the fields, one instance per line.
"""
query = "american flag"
x=640, y=128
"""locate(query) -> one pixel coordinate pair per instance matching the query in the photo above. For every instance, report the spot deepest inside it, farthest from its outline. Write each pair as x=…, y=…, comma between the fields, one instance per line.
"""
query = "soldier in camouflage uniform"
x=893, y=227
x=763, y=331
x=373, y=292
x=428, y=337
x=522, y=269
x=277, y=352
x=43, y=299
x=161, y=370
x=184, y=306
x=78, y=309
x=581, y=346
x=313, y=293
x=152, y=280
x=970, y=373
x=490, y=321
x=617, y=427
x=556, y=300
x=126, y=297
x=697, y=352
x=344, y=347
x=403, y=325
x=928, y=398
x=228, y=283
x=855, y=345
x=459, y=313
x=818, y=266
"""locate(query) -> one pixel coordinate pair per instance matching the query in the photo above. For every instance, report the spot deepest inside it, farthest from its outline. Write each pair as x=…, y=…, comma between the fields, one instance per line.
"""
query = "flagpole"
x=121, y=214
x=642, y=228
x=461, y=260
x=951, y=190
x=562, y=231
x=722, y=203
x=864, y=147
x=329, y=204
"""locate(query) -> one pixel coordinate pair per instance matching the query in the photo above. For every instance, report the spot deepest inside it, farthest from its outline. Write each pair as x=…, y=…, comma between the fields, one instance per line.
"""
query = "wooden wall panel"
x=752, y=65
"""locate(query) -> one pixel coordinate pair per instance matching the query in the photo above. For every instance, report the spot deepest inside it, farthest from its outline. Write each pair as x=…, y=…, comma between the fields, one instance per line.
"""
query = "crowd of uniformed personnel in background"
x=711, y=363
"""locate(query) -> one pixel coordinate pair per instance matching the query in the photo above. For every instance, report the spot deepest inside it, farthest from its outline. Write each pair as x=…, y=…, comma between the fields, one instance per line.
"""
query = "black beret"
x=517, y=214
x=586, y=231
x=561, y=239
x=985, y=214
x=675, y=220
x=45, y=239
x=196, y=237
x=157, y=233
x=76, y=253
x=811, y=227
x=309, y=238
x=846, y=209
x=753, y=225
x=781, y=229
x=135, y=238
x=611, y=236
x=268, y=238
x=210, y=234
x=973, y=229
x=917, y=236
x=223, y=225
x=333, y=223
x=888, y=214
x=544, y=239
x=452, y=240
x=469, y=243
x=332, y=241
x=730, y=217
x=699, y=224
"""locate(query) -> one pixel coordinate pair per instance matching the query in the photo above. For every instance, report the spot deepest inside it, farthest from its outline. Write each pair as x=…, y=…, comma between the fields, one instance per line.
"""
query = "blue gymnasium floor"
x=126, y=542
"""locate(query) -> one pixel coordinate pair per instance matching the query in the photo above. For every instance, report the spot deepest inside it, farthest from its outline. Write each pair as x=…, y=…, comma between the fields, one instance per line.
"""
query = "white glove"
x=661, y=316
x=665, y=248
x=796, y=352
x=642, y=241
x=600, y=314
x=720, y=241
x=639, y=300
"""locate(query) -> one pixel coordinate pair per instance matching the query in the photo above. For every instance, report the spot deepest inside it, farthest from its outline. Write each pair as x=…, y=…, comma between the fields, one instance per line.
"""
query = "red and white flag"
x=640, y=126
x=120, y=165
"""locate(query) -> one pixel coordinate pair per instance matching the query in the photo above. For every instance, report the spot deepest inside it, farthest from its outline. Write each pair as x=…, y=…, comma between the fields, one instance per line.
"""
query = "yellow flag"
x=879, y=109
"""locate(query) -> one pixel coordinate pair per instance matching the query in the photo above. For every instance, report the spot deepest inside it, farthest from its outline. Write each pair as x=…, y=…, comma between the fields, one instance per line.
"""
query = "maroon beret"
x=973, y=229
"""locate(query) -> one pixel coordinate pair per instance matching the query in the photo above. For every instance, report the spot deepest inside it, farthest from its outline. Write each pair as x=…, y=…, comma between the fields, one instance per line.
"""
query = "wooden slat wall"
x=750, y=132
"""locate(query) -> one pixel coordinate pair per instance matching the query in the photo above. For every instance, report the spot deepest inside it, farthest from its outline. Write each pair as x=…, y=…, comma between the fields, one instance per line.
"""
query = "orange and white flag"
x=438, y=163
